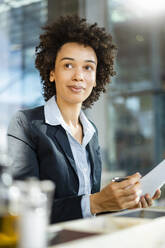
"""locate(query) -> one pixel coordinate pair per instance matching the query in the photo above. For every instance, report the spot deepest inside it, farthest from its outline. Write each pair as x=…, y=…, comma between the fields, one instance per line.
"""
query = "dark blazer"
x=41, y=150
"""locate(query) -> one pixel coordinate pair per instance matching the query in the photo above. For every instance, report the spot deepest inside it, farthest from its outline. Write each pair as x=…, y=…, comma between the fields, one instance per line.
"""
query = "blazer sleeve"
x=24, y=163
x=21, y=148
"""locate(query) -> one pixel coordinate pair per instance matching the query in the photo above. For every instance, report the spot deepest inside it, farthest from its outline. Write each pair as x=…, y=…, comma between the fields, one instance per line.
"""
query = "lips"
x=76, y=89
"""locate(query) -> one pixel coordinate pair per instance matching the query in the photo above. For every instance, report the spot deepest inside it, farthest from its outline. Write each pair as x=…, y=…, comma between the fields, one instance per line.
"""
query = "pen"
x=119, y=179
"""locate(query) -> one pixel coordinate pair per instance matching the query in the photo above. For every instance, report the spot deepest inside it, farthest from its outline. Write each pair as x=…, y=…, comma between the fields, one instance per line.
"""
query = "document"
x=153, y=180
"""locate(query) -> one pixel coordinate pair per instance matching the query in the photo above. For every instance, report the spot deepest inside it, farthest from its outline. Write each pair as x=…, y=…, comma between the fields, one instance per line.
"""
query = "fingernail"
x=139, y=174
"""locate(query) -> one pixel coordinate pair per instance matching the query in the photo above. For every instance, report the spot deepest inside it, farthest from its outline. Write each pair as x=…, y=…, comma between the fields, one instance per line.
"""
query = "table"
x=107, y=229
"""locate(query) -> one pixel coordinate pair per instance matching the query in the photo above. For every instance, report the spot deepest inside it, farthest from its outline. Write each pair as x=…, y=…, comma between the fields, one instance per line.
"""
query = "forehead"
x=76, y=51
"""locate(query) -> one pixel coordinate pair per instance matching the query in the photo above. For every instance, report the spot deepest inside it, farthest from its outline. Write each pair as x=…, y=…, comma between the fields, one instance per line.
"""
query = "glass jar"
x=8, y=210
x=34, y=210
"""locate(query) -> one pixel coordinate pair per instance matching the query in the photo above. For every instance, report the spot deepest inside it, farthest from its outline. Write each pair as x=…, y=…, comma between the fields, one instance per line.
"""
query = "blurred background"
x=131, y=115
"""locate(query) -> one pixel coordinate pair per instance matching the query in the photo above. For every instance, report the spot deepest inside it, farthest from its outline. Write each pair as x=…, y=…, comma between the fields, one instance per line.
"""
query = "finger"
x=149, y=200
x=129, y=201
x=132, y=204
x=139, y=205
x=157, y=194
x=143, y=202
x=131, y=180
x=132, y=190
x=131, y=198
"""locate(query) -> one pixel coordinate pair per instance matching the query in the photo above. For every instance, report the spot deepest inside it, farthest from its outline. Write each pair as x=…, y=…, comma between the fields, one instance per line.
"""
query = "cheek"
x=64, y=76
x=60, y=78
x=91, y=79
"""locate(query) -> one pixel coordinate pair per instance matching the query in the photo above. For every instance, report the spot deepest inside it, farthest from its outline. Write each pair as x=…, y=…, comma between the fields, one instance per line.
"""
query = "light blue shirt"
x=54, y=117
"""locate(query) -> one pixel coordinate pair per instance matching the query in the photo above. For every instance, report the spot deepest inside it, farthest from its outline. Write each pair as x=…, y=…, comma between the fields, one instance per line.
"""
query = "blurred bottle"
x=35, y=205
x=8, y=210
x=25, y=208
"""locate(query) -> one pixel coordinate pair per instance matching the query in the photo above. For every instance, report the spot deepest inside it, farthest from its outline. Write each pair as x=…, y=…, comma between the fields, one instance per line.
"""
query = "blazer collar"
x=54, y=117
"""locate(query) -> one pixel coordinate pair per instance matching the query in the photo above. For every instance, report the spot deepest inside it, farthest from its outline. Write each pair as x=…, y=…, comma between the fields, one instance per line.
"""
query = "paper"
x=153, y=180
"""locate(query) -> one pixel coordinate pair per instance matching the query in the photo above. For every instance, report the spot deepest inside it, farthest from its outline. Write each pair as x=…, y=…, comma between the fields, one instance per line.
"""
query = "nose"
x=78, y=75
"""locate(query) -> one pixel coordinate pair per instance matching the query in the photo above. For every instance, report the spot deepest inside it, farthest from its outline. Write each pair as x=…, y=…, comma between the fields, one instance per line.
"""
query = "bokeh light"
x=147, y=7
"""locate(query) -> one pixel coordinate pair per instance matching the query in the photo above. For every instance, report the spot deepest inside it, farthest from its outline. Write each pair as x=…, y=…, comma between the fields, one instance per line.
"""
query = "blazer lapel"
x=61, y=137
x=94, y=161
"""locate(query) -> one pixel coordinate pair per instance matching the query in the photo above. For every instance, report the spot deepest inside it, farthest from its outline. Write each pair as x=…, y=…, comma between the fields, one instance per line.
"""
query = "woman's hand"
x=147, y=201
x=117, y=195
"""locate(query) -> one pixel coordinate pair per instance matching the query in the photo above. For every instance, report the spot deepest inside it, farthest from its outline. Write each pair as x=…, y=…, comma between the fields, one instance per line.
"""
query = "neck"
x=70, y=112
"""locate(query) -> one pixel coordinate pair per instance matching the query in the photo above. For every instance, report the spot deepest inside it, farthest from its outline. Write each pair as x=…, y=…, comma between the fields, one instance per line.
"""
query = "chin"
x=76, y=99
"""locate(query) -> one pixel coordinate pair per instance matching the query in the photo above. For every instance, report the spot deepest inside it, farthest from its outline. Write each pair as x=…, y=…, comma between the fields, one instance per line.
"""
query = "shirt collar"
x=54, y=117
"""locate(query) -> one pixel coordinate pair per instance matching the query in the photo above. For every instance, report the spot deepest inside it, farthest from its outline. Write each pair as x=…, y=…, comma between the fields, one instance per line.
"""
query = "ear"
x=94, y=84
x=52, y=76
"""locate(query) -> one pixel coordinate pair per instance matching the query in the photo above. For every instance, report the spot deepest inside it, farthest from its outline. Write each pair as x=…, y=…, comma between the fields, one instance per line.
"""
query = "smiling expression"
x=74, y=73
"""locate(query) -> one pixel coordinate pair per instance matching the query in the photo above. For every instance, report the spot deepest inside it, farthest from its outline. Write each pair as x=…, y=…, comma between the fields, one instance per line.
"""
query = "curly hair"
x=75, y=29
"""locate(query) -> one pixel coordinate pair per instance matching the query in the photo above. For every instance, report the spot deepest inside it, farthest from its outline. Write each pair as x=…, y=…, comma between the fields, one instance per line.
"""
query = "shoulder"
x=32, y=114
x=24, y=118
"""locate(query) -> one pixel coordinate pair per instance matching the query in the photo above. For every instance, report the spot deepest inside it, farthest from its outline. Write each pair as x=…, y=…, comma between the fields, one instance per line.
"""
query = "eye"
x=68, y=65
x=88, y=67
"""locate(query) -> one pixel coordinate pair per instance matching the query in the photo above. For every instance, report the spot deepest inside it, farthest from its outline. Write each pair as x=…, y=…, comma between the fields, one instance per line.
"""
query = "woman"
x=56, y=141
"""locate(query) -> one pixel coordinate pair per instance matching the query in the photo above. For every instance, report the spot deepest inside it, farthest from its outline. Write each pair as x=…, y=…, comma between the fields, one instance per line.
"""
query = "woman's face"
x=74, y=73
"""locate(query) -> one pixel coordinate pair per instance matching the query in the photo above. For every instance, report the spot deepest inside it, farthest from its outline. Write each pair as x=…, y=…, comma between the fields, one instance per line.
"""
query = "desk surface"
x=104, y=230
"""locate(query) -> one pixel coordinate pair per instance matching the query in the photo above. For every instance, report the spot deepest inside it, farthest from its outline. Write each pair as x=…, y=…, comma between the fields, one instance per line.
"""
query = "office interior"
x=131, y=115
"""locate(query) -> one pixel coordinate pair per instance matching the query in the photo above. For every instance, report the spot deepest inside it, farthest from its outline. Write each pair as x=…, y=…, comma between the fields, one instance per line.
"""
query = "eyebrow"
x=88, y=60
